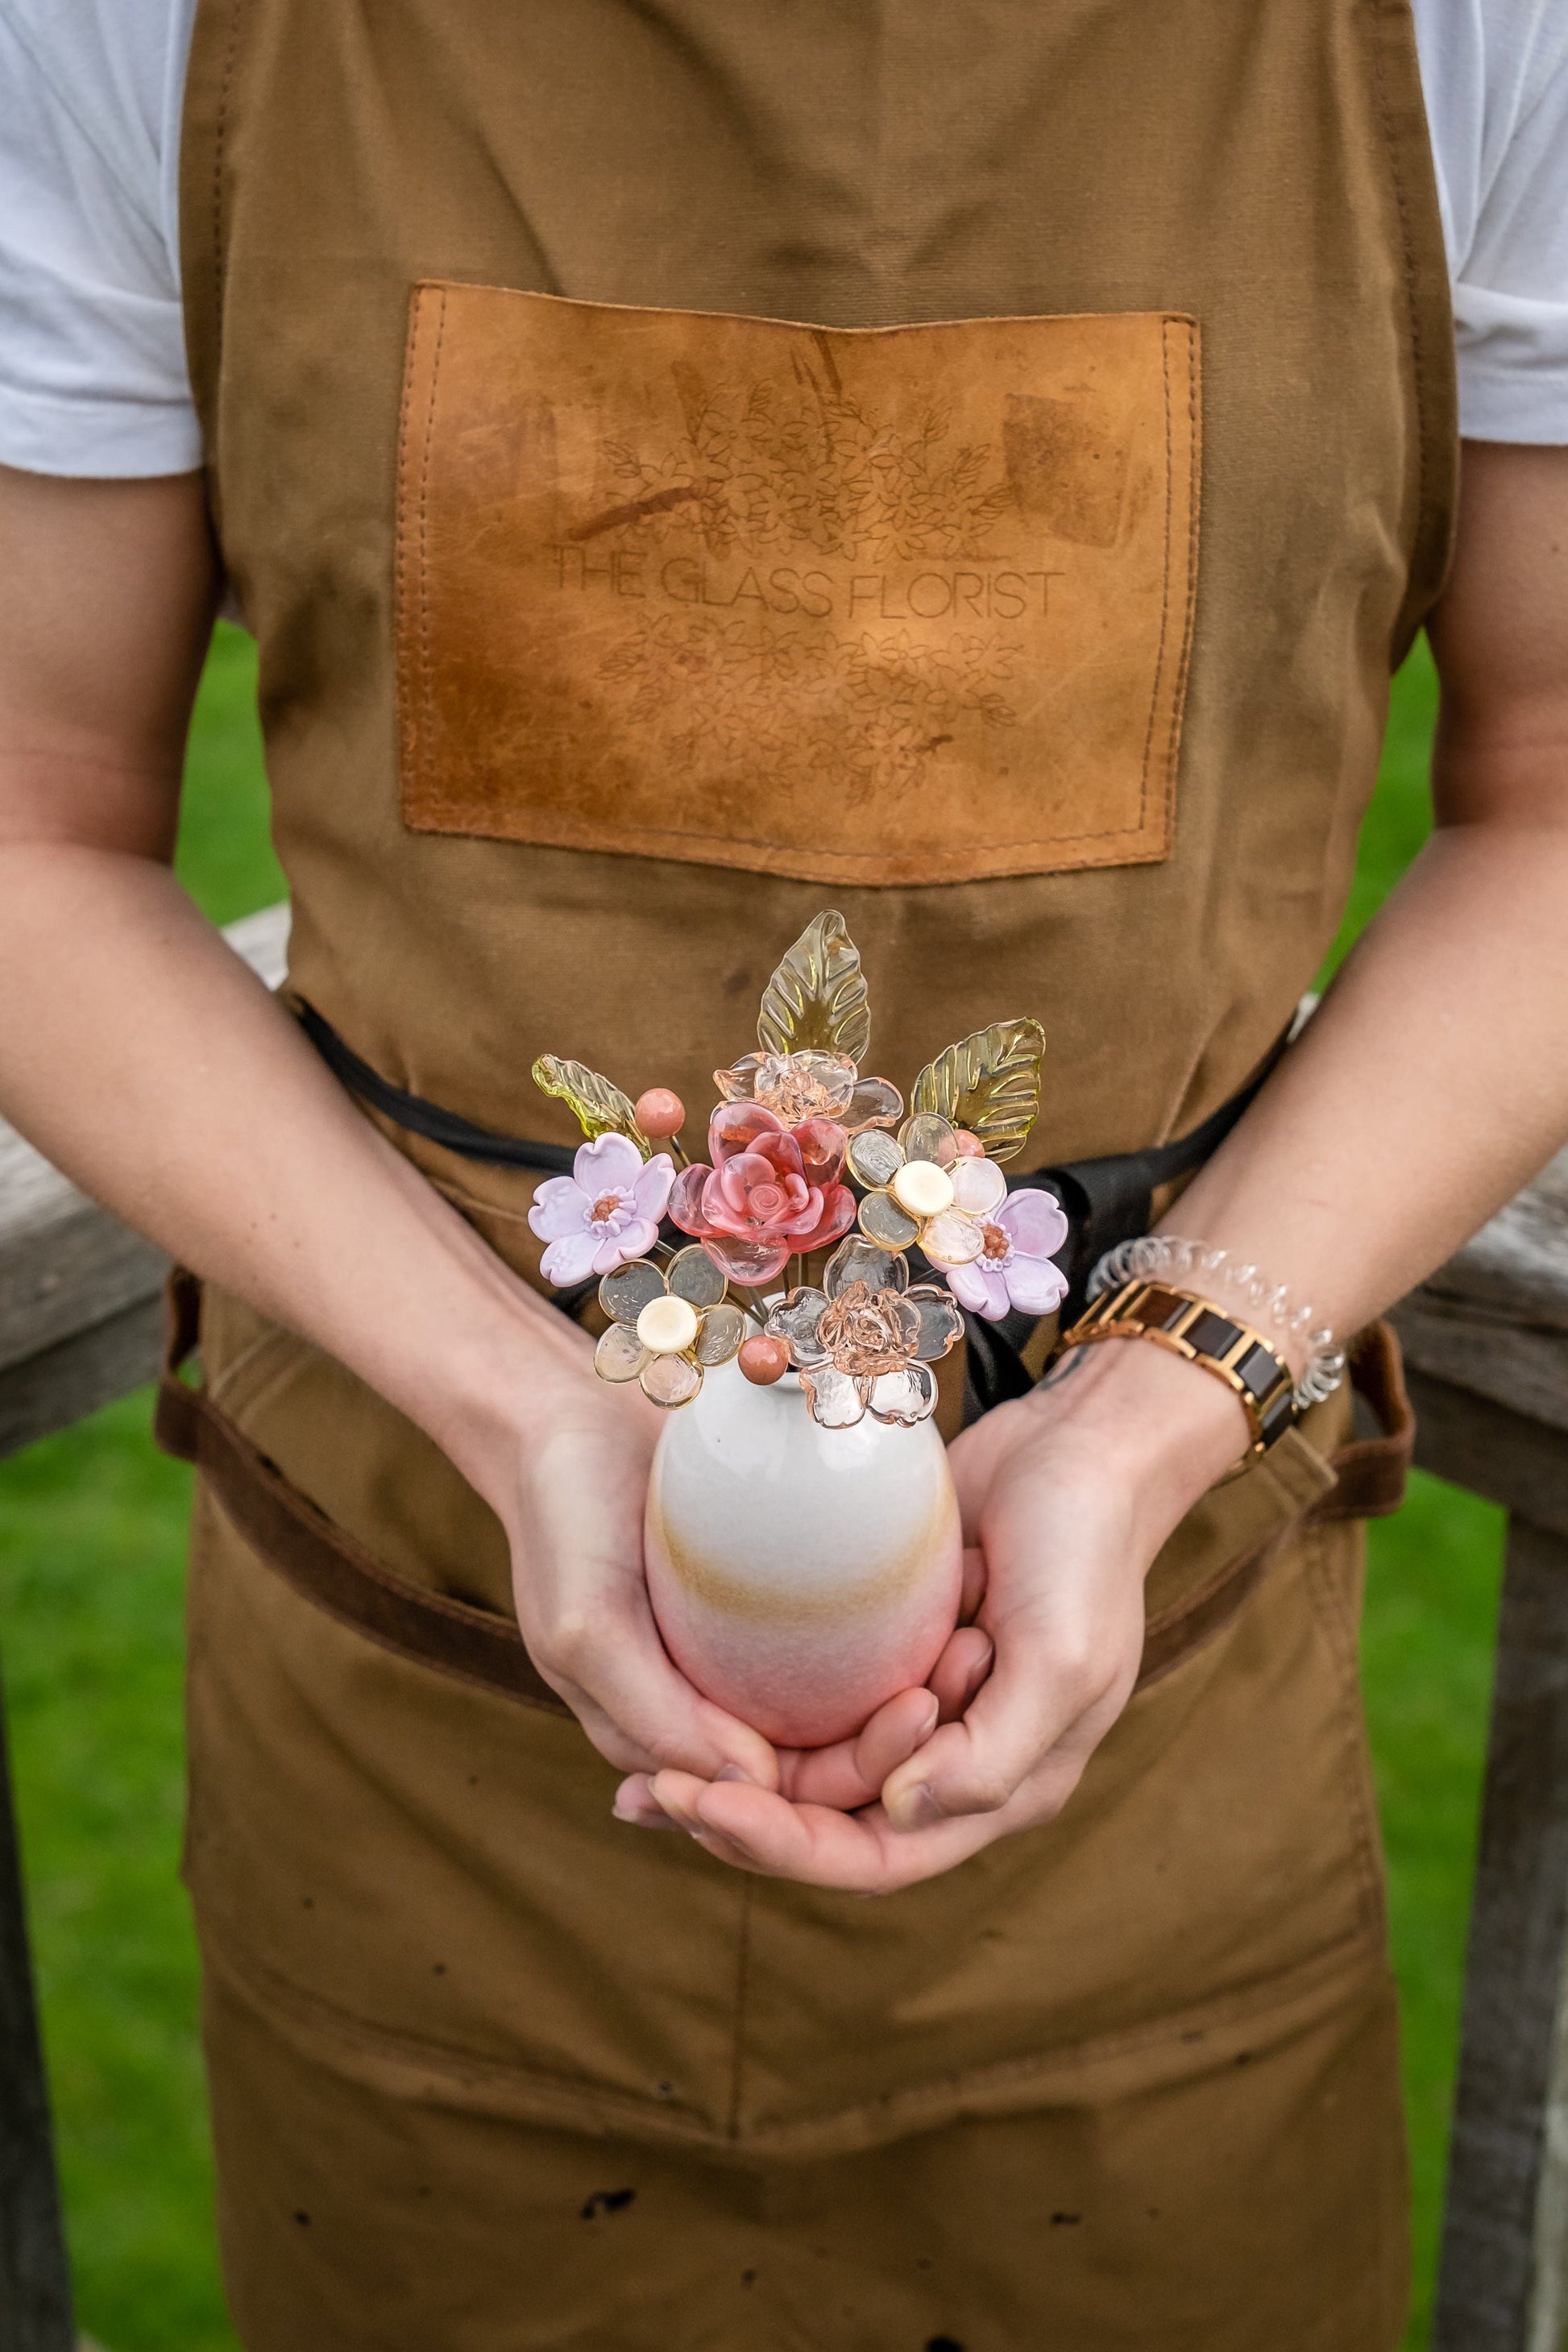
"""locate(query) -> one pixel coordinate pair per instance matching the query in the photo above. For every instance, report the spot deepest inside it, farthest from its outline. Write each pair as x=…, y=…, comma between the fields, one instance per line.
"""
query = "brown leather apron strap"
x=328, y=1566
x=1372, y=1471
x=319, y=1558
x=1370, y=1474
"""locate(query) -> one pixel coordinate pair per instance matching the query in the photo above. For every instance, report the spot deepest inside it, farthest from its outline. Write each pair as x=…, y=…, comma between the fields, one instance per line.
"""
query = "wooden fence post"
x=35, y=2278
x=1505, y=2248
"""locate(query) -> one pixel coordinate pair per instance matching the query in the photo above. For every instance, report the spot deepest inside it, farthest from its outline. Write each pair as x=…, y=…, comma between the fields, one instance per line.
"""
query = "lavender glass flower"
x=607, y=1211
x=1015, y=1266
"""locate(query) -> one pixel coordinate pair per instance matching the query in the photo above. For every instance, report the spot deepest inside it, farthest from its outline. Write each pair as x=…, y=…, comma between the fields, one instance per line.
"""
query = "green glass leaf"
x=601, y=1108
x=817, y=997
x=989, y=1083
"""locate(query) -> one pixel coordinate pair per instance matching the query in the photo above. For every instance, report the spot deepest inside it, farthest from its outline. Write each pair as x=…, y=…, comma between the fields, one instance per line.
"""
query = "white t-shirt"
x=92, y=367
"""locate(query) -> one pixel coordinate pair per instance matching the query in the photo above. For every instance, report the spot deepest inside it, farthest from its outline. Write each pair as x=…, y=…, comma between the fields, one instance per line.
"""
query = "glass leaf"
x=858, y=1260
x=723, y=1328
x=620, y=1354
x=989, y=1083
x=625, y=1290
x=817, y=996
x=691, y=1275
x=601, y=1108
x=883, y=1222
x=671, y=1381
x=875, y=1157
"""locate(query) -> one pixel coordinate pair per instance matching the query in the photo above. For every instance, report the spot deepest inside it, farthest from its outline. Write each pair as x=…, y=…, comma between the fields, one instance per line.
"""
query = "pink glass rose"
x=1015, y=1266
x=772, y=1191
x=607, y=1211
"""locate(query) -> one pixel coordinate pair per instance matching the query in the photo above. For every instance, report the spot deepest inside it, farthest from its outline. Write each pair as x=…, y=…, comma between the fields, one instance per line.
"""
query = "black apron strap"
x=1105, y=1201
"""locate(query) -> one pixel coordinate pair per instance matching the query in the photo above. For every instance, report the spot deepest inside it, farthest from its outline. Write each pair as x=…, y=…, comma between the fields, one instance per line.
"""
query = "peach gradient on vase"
x=800, y=1575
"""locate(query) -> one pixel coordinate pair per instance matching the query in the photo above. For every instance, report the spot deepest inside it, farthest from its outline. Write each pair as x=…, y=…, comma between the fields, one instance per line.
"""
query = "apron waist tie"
x=1105, y=1201
x=331, y=1567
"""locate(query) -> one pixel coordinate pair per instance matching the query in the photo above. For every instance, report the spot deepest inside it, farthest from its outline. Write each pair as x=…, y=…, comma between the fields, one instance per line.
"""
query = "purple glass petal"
x=981, y=1289
x=634, y=1240
x=1033, y=1220
x=1034, y=1284
x=559, y=1208
x=570, y=1259
x=651, y=1191
x=611, y=1163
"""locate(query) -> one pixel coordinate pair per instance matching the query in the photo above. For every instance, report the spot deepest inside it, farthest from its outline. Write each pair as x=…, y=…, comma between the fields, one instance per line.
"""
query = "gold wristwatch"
x=1195, y=1328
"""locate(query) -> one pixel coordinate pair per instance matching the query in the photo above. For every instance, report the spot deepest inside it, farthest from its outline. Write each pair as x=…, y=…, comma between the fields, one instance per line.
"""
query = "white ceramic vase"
x=800, y=1576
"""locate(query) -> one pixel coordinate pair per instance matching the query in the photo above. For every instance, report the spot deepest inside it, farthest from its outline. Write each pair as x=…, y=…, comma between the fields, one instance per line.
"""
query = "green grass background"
x=91, y=1541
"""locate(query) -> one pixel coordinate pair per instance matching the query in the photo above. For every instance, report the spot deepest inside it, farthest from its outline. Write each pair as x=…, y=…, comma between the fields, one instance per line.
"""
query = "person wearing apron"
x=686, y=466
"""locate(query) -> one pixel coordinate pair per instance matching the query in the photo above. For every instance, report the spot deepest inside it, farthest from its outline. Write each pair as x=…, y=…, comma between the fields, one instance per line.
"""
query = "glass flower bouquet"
x=803, y=1557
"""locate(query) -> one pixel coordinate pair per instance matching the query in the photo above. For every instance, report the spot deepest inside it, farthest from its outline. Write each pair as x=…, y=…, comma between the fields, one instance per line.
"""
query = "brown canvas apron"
x=611, y=624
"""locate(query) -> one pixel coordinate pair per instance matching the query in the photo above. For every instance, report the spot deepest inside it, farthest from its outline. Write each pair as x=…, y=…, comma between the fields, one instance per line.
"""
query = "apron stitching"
x=220, y=140
x=742, y=1988
x=1195, y=483
x=839, y=856
x=1422, y=534
x=1348, y=1708
x=428, y=681
x=1166, y=596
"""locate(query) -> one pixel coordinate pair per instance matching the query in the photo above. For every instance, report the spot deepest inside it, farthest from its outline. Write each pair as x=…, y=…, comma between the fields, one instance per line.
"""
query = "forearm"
x=1430, y=1085
x=146, y=1060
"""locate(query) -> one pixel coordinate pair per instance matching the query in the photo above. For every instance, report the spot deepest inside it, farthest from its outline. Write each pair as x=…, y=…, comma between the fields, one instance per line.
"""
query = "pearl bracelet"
x=1172, y=1257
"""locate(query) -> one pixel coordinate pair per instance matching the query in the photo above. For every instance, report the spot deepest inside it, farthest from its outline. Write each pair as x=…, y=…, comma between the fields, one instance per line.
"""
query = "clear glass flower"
x=865, y=1341
x=667, y=1326
x=812, y=1084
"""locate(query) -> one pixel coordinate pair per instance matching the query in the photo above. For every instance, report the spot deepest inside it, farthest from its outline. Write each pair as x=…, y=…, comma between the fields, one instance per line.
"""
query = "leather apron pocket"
x=864, y=606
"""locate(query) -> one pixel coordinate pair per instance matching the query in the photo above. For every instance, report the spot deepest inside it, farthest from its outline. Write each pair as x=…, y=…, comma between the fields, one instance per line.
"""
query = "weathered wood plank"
x=65, y=1266
x=1472, y=1440
x=1470, y=1346
x=1502, y=2274
x=35, y=2280
x=77, y=1375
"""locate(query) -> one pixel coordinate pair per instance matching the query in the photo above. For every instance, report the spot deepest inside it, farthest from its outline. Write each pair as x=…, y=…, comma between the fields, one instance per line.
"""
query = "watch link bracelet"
x=1260, y=1380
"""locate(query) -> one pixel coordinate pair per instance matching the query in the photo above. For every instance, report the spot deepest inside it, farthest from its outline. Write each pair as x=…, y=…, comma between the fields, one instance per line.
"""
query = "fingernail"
x=917, y=1809
x=731, y=1773
x=929, y=1724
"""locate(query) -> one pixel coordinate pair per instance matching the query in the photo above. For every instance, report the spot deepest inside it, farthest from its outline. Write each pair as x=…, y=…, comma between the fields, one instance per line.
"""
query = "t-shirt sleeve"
x=93, y=364
x=1496, y=74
